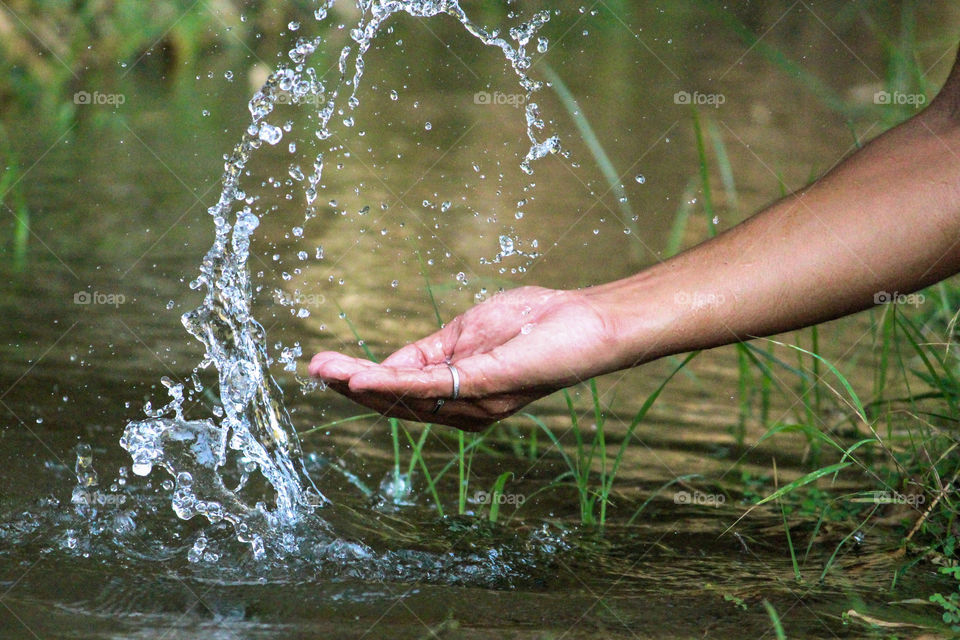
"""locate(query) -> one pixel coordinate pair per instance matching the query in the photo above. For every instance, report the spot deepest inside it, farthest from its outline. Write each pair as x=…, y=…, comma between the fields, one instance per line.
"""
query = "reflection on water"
x=138, y=226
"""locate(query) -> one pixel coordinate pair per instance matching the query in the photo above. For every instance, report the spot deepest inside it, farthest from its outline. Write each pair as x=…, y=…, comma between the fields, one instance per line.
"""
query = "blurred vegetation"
x=49, y=50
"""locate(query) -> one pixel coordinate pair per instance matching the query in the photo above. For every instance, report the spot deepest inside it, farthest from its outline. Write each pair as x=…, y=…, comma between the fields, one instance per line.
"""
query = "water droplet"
x=640, y=179
x=70, y=539
x=506, y=246
x=269, y=133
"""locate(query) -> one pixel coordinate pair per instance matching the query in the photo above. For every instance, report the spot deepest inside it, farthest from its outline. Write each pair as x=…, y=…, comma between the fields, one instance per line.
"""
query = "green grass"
x=950, y=603
x=13, y=201
x=775, y=621
x=590, y=470
x=610, y=174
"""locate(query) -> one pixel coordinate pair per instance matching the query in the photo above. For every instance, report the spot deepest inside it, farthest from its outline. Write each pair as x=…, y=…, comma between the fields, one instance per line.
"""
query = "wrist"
x=644, y=315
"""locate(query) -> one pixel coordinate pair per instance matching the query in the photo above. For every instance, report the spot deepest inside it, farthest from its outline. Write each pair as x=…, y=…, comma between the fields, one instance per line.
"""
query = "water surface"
x=119, y=206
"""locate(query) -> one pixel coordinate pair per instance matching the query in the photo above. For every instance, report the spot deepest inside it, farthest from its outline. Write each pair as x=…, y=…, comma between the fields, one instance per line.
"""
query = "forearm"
x=885, y=220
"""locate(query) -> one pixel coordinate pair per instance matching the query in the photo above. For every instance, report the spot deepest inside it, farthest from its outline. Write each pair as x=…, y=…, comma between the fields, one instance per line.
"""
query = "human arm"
x=887, y=219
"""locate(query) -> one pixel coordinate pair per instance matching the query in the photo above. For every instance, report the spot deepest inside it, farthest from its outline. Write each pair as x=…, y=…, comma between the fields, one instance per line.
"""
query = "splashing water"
x=252, y=434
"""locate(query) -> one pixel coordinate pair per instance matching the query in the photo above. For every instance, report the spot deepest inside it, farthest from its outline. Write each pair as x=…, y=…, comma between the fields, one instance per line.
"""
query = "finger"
x=479, y=376
x=333, y=366
x=434, y=381
x=410, y=356
x=436, y=348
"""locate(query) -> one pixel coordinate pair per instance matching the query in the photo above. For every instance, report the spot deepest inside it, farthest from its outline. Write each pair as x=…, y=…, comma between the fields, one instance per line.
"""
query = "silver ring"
x=436, y=407
x=456, y=381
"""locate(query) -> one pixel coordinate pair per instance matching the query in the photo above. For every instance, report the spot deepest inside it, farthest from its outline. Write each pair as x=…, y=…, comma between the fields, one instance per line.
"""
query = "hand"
x=510, y=350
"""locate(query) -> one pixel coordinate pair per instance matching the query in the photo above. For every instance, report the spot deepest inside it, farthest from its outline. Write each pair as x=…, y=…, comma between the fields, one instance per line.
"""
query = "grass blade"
x=805, y=480
x=495, y=492
x=857, y=405
x=775, y=620
x=610, y=174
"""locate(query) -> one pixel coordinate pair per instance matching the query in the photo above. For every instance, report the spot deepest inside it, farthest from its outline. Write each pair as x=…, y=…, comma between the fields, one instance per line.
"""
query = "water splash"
x=214, y=460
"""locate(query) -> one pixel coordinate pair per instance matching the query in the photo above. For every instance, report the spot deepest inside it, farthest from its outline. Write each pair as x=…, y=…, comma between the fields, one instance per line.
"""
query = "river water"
x=120, y=224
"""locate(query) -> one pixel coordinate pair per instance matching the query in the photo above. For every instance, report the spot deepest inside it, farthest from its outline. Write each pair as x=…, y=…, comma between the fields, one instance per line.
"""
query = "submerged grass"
x=600, y=156
x=590, y=470
x=13, y=201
